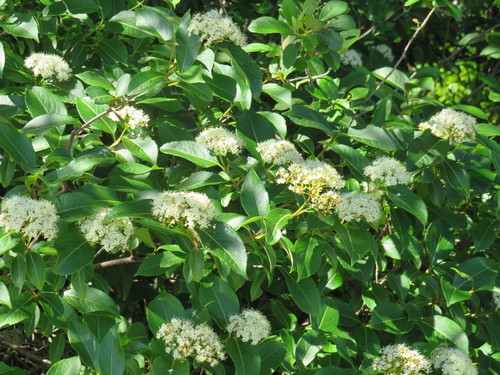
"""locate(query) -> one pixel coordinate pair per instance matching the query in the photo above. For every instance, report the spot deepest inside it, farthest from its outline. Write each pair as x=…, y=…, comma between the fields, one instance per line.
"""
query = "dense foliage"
x=310, y=188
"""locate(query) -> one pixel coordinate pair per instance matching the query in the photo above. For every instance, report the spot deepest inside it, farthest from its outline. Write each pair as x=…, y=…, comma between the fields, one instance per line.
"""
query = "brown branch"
x=403, y=55
x=116, y=262
x=26, y=353
x=310, y=78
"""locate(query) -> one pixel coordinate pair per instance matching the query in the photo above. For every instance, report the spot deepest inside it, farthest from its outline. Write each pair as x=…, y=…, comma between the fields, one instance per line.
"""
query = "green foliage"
x=335, y=291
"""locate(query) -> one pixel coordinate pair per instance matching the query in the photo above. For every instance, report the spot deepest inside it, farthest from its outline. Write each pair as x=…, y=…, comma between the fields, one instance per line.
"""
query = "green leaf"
x=355, y=160
x=57, y=347
x=375, y=137
x=484, y=233
x=18, y=147
x=357, y=241
x=278, y=93
x=144, y=148
x=327, y=317
x=438, y=327
x=272, y=354
x=305, y=293
x=269, y=25
x=69, y=366
x=246, y=68
x=110, y=355
x=5, y=296
x=92, y=301
x=112, y=50
x=309, y=345
x=333, y=9
x=187, y=49
x=40, y=101
x=397, y=79
x=95, y=79
x=402, y=197
x=304, y=116
x=220, y=300
x=23, y=25
x=166, y=364
x=18, y=271
x=158, y=264
x=134, y=209
x=84, y=342
x=390, y=317
x=81, y=6
x=35, y=268
x=275, y=221
x=22, y=309
x=162, y=309
x=152, y=23
x=192, y=151
x=74, y=206
x=77, y=167
x=56, y=309
x=254, y=197
x=198, y=94
x=147, y=83
x=410, y=2
x=2, y=60
x=223, y=242
x=254, y=128
x=453, y=295
x=44, y=123
x=456, y=177
x=88, y=110
x=482, y=272
x=426, y=150
x=194, y=265
x=245, y=357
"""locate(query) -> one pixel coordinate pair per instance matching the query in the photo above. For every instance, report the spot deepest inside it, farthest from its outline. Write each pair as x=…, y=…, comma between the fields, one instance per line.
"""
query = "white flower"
x=325, y=202
x=485, y=197
x=216, y=28
x=279, y=152
x=112, y=235
x=32, y=218
x=358, y=206
x=452, y=125
x=48, y=66
x=184, y=339
x=250, y=326
x=390, y=171
x=351, y=57
x=220, y=140
x=133, y=116
x=496, y=299
x=452, y=361
x=385, y=51
x=187, y=208
x=400, y=359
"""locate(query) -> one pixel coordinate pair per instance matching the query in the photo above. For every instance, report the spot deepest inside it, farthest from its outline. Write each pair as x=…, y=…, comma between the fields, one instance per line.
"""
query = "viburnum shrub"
x=250, y=188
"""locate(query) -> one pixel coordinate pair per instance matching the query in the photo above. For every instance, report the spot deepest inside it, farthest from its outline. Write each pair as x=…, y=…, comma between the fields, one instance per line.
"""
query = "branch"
x=371, y=29
x=26, y=353
x=310, y=78
x=116, y=262
x=403, y=55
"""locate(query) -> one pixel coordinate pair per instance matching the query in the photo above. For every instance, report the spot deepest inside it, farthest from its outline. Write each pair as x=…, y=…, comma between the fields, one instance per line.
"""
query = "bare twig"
x=310, y=78
x=116, y=262
x=371, y=29
x=403, y=55
x=26, y=353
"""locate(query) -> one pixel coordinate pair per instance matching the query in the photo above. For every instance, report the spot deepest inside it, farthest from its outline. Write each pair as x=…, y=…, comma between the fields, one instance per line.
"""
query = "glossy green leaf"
x=2, y=60
x=246, y=357
x=397, y=78
x=146, y=83
x=94, y=79
x=68, y=366
x=44, y=123
x=23, y=25
x=438, y=328
x=187, y=50
x=113, y=50
x=279, y=93
x=133, y=209
x=162, y=309
x=88, y=110
x=254, y=197
x=223, y=242
x=5, y=295
x=309, y=345
x=22, y=309
x=484, y=234
x=402, y=197
x=481, y=272
x=304, y=116
x=74, y=206
x=83, y=341
x=149, y=21
x=246, y=68
x=110, y=355
x=355, y=160
x=192, y=151
x=272, y=354
x=333, y=9
x=35, y=269
x=40, y=101
x=92, y=301
x=426, y=150
x=305, y=294
x=269, y=25
x=74, y=253
x=220, y=300
x=254, y=128
x=17, y=146
x=18, y=271
x=390, y=317
x=375, y=137
x=81, y=6
x=357, y=241
x=157, y=264
x=144, y=148
x=452, y=294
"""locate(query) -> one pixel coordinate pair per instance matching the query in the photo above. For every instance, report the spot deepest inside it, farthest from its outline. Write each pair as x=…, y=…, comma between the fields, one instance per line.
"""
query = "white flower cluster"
x=314, y=179
x=220, y=140
x=389, y=171
x=279, y=152
x=496, y=299
x=452, y=125
x=250, y=326
x=358, y=206
x=48, y=66
x=452, y=361
x=32, y=218
x=184, y=339
x=351, y=57
x=400, y=359
x=385, y=51
x=112, y=235
x=215, y=28
x=184, y=207
x=134, y=117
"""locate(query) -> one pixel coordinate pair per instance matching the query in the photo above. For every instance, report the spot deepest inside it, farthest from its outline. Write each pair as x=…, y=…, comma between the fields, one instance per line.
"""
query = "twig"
x=443, y=62
x=26, y=353
x=371, y=29
x=310, y=78
x=403, y=55
x=116, y=262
